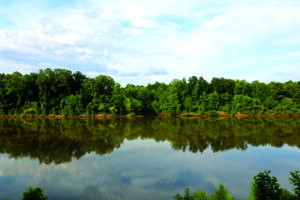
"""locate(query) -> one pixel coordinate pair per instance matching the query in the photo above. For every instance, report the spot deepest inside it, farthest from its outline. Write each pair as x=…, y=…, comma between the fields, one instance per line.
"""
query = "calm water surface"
x=143, y=158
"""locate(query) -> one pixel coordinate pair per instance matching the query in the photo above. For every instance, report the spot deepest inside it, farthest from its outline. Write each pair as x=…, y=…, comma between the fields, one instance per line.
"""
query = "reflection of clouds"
x=292, y=149
x=92, y=192
x=143, y=169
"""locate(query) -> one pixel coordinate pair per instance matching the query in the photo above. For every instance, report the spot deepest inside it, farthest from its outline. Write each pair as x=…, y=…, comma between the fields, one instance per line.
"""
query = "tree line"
x=62, y=92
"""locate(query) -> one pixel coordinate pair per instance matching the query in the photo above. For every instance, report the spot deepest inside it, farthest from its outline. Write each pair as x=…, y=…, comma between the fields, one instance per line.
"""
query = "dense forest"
x=62, y=92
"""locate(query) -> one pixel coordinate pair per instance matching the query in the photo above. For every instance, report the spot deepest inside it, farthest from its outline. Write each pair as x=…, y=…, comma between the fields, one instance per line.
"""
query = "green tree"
x=221, y=194
x=287, y=106
x=71, y=105
x=34, y=194
x=213, y=101
x=103, y=85
x=118, y=98
x=173, y=105
x=218, y=194
x=146, y=97
x=242, y=88
x=203, y=103
x=128, y=105
x=277, y=91
x=287, y=195
x=201, y=86
x=200, y=195
x=137, y=106
x=14, y=92
x=188, y=104
x=187, y=195
x=270, y=103
x=113, y=110
x=156, y=107
x=295, y=181
x=78, y=79
x=265, y=187
x=255, y=105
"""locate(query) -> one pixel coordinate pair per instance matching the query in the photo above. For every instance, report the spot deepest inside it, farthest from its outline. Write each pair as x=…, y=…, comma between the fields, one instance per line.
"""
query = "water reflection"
x=133, y=159
x=61, y=140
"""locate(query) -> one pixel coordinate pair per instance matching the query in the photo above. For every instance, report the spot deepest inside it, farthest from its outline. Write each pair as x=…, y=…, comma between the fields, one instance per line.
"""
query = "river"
x=143, y=158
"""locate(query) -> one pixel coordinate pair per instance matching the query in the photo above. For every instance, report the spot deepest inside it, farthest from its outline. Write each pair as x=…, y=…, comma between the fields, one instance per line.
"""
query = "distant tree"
x=242, y=88
x=200, y=195
x=127, y=104
x=103, y=85
x=213, y=101
x=156, y=107
x=270, y=103
x=78, y=79
x=221, y=194
x=287, y=106
x=192, y=82
x=186, y=196
x=203, y=103
x=34, y=194
x=72, y=105
x=137, y=106
x=188, y=104
x=173, y=105
x=118, y=98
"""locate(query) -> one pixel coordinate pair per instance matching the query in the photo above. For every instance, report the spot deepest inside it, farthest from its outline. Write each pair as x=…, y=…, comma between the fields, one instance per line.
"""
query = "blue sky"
x=141, y=41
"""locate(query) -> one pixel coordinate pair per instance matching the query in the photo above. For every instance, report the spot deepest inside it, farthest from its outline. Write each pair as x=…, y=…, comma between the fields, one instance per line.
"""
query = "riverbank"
x=221, y=114
x=136, y=116
x=66, y=116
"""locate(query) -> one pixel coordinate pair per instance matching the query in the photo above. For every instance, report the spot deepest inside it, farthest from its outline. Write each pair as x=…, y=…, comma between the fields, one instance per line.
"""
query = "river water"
x=143, y=158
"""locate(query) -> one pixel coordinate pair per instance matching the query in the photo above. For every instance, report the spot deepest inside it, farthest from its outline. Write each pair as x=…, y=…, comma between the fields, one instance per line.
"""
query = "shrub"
x=34, y=194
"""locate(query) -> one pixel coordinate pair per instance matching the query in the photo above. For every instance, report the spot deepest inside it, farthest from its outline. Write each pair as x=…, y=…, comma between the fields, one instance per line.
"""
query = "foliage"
x=34, y=194
x=265, y=187
x=221, y=194
x=186, y=196
x=60, y=91
x=287, y=195
x=295, y=181
x=218, y=194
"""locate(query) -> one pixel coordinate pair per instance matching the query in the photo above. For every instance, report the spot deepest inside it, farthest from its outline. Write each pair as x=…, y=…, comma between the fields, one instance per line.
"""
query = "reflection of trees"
x=61, y=140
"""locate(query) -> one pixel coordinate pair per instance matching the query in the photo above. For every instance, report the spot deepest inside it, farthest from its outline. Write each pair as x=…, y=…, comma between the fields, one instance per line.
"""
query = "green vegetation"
x=61, y=92
x=34, y=194
x=218, y=194
x=264, y=187
x=295, y=181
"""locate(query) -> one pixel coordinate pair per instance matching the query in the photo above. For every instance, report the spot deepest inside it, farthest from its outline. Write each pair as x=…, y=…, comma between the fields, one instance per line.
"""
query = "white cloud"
x=131, y=37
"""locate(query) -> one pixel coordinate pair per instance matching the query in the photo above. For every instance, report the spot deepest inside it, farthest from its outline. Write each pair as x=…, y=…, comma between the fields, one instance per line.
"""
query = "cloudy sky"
x=142, y=41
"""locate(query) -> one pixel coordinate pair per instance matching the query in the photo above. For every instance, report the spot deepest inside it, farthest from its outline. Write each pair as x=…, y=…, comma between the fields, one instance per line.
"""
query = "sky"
x=143, y=41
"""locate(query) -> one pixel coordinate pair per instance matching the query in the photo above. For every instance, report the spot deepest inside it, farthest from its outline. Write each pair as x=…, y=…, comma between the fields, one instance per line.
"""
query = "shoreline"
x=138, y=116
